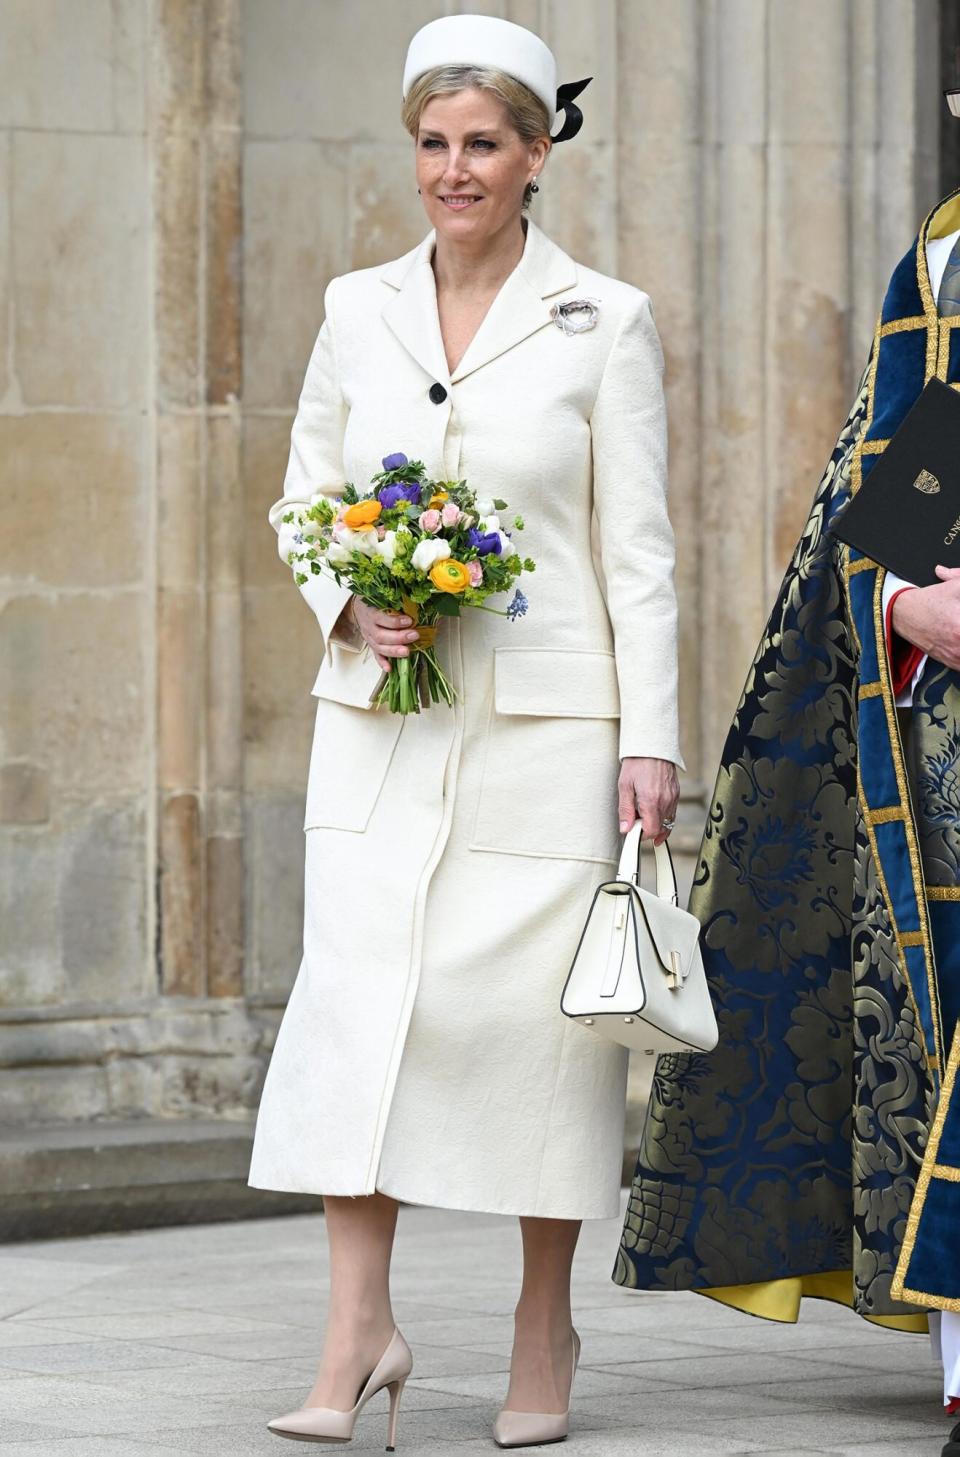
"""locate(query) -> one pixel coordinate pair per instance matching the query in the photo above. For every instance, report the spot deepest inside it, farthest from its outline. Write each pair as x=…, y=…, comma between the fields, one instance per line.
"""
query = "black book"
x=906, y=515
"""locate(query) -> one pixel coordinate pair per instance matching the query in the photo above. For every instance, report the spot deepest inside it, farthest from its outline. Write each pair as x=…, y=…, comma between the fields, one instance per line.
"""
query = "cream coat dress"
x=451, y=856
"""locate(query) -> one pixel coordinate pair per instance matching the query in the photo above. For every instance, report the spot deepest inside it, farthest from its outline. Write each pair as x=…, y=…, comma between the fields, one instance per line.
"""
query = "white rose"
x=362, y=541
x=507, y=547
x=490, y=523
x=485, y=507
x=428, y=551
x=387, y=548
x=337, y=554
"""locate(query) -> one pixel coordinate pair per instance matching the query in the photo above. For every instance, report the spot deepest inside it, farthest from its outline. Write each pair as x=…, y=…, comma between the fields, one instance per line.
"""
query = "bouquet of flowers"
x=424, y=548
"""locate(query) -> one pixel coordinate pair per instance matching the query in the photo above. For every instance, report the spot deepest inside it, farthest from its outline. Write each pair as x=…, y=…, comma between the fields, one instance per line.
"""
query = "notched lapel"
x=411, y=312
x=517, y=312
x=523, y=304
x=520, y=309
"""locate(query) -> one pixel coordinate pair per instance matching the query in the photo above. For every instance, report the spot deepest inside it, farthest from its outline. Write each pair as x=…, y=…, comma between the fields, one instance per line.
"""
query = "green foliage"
x=414, y=470
x=320, y=512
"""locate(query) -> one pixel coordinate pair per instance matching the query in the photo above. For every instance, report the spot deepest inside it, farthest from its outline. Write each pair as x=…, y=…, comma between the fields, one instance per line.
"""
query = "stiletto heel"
x=396, y=1391
x=532, y=1428
x=324, y=1424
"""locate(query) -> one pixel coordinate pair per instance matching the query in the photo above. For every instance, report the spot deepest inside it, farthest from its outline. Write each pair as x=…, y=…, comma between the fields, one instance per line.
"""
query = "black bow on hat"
x=573, y=116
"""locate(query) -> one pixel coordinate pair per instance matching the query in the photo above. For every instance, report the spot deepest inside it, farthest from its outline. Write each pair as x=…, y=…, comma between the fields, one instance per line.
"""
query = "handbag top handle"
x=629, y=867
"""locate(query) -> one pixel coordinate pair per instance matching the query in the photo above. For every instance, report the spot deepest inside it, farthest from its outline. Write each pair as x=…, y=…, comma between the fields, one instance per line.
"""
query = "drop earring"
x=534, y=186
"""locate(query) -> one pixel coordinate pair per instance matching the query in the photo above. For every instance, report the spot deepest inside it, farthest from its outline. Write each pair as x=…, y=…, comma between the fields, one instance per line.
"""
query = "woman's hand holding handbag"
x=637, y=975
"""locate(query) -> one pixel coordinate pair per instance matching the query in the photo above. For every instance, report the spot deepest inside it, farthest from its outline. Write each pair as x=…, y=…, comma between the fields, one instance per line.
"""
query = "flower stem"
x=408, y=700
x=401, y=692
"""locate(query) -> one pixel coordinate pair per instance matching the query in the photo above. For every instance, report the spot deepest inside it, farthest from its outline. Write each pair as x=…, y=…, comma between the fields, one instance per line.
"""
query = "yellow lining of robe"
x=780, y=1299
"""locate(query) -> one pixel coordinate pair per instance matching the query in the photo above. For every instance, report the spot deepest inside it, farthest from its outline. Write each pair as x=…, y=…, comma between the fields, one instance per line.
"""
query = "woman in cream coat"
x=451, y=855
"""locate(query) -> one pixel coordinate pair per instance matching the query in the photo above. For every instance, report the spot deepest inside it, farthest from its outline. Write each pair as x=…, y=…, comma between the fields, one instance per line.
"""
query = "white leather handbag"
x=637, y=975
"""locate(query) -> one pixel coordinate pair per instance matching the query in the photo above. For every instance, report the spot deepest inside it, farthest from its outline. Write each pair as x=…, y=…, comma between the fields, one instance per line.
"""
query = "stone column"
x=949, y=138
x=74, y=541
x=660, y=248
x=895, y=120
x=820, y=140
x=194, y=130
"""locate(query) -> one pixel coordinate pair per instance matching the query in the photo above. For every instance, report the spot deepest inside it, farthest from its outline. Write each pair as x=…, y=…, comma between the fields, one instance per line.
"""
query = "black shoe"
x=952, y=1449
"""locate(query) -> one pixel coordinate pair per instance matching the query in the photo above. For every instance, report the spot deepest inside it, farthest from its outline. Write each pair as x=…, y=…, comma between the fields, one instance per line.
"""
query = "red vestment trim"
x=905, y=659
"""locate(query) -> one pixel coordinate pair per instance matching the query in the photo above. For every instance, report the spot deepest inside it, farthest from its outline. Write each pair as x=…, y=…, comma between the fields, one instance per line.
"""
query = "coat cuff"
x=326, y=601
x=345, y=632
x=639, y=746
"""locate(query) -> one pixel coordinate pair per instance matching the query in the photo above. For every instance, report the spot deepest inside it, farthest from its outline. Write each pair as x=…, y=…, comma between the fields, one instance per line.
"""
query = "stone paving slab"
x=189, y=1339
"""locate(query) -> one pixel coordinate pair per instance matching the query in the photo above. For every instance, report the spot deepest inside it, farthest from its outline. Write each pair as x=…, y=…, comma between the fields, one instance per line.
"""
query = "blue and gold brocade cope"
x=789, y=1161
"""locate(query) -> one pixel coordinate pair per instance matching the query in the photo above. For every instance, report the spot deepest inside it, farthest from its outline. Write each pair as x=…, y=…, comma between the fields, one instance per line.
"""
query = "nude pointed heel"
x=535, y=1428
x=396, y=1391
x=325, y=1424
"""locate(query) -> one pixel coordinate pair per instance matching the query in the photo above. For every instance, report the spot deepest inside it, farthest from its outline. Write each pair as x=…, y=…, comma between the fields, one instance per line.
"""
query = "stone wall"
x=178, y=181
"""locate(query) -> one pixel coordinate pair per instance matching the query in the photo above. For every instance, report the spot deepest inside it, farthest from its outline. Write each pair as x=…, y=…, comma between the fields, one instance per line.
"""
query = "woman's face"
x=472, y=167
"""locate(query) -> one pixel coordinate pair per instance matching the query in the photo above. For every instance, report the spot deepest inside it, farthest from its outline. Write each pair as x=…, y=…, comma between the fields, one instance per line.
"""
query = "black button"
x=437, y=394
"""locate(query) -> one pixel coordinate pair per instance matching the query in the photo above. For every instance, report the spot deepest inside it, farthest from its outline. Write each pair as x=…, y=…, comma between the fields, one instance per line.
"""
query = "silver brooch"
x=576, y=316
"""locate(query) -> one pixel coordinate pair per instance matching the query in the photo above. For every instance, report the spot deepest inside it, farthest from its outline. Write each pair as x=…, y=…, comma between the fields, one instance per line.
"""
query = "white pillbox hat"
x=484, y=40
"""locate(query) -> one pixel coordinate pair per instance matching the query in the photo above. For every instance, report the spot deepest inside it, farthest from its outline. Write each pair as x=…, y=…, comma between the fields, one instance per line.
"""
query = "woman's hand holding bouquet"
x=412, y=547
x=385, y=634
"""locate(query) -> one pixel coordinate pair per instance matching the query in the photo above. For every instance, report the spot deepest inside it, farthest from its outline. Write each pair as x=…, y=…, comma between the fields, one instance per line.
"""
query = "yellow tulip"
x=438, y=498
x=449, y=576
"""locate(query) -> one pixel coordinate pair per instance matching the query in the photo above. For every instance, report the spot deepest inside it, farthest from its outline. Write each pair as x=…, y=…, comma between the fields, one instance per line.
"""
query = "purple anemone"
x=485, y=541
x=390, y=496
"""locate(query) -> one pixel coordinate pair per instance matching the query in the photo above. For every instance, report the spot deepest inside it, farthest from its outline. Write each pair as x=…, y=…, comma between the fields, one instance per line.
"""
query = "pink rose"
x=476, y=573
x=450, y=514
x=430, y=520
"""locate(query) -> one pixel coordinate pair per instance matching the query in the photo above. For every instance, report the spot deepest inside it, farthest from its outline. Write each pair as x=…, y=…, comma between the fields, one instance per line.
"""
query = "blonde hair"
x=525, y=111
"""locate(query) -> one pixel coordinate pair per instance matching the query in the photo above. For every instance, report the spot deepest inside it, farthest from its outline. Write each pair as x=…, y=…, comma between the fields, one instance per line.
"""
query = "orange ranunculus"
x=438, y=498
x=362, y=516
x=449, y=575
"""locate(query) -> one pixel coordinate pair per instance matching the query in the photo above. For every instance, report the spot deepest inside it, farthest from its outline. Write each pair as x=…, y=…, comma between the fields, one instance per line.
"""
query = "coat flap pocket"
x=556, y=682
x=349, y=762
x=348, y=677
